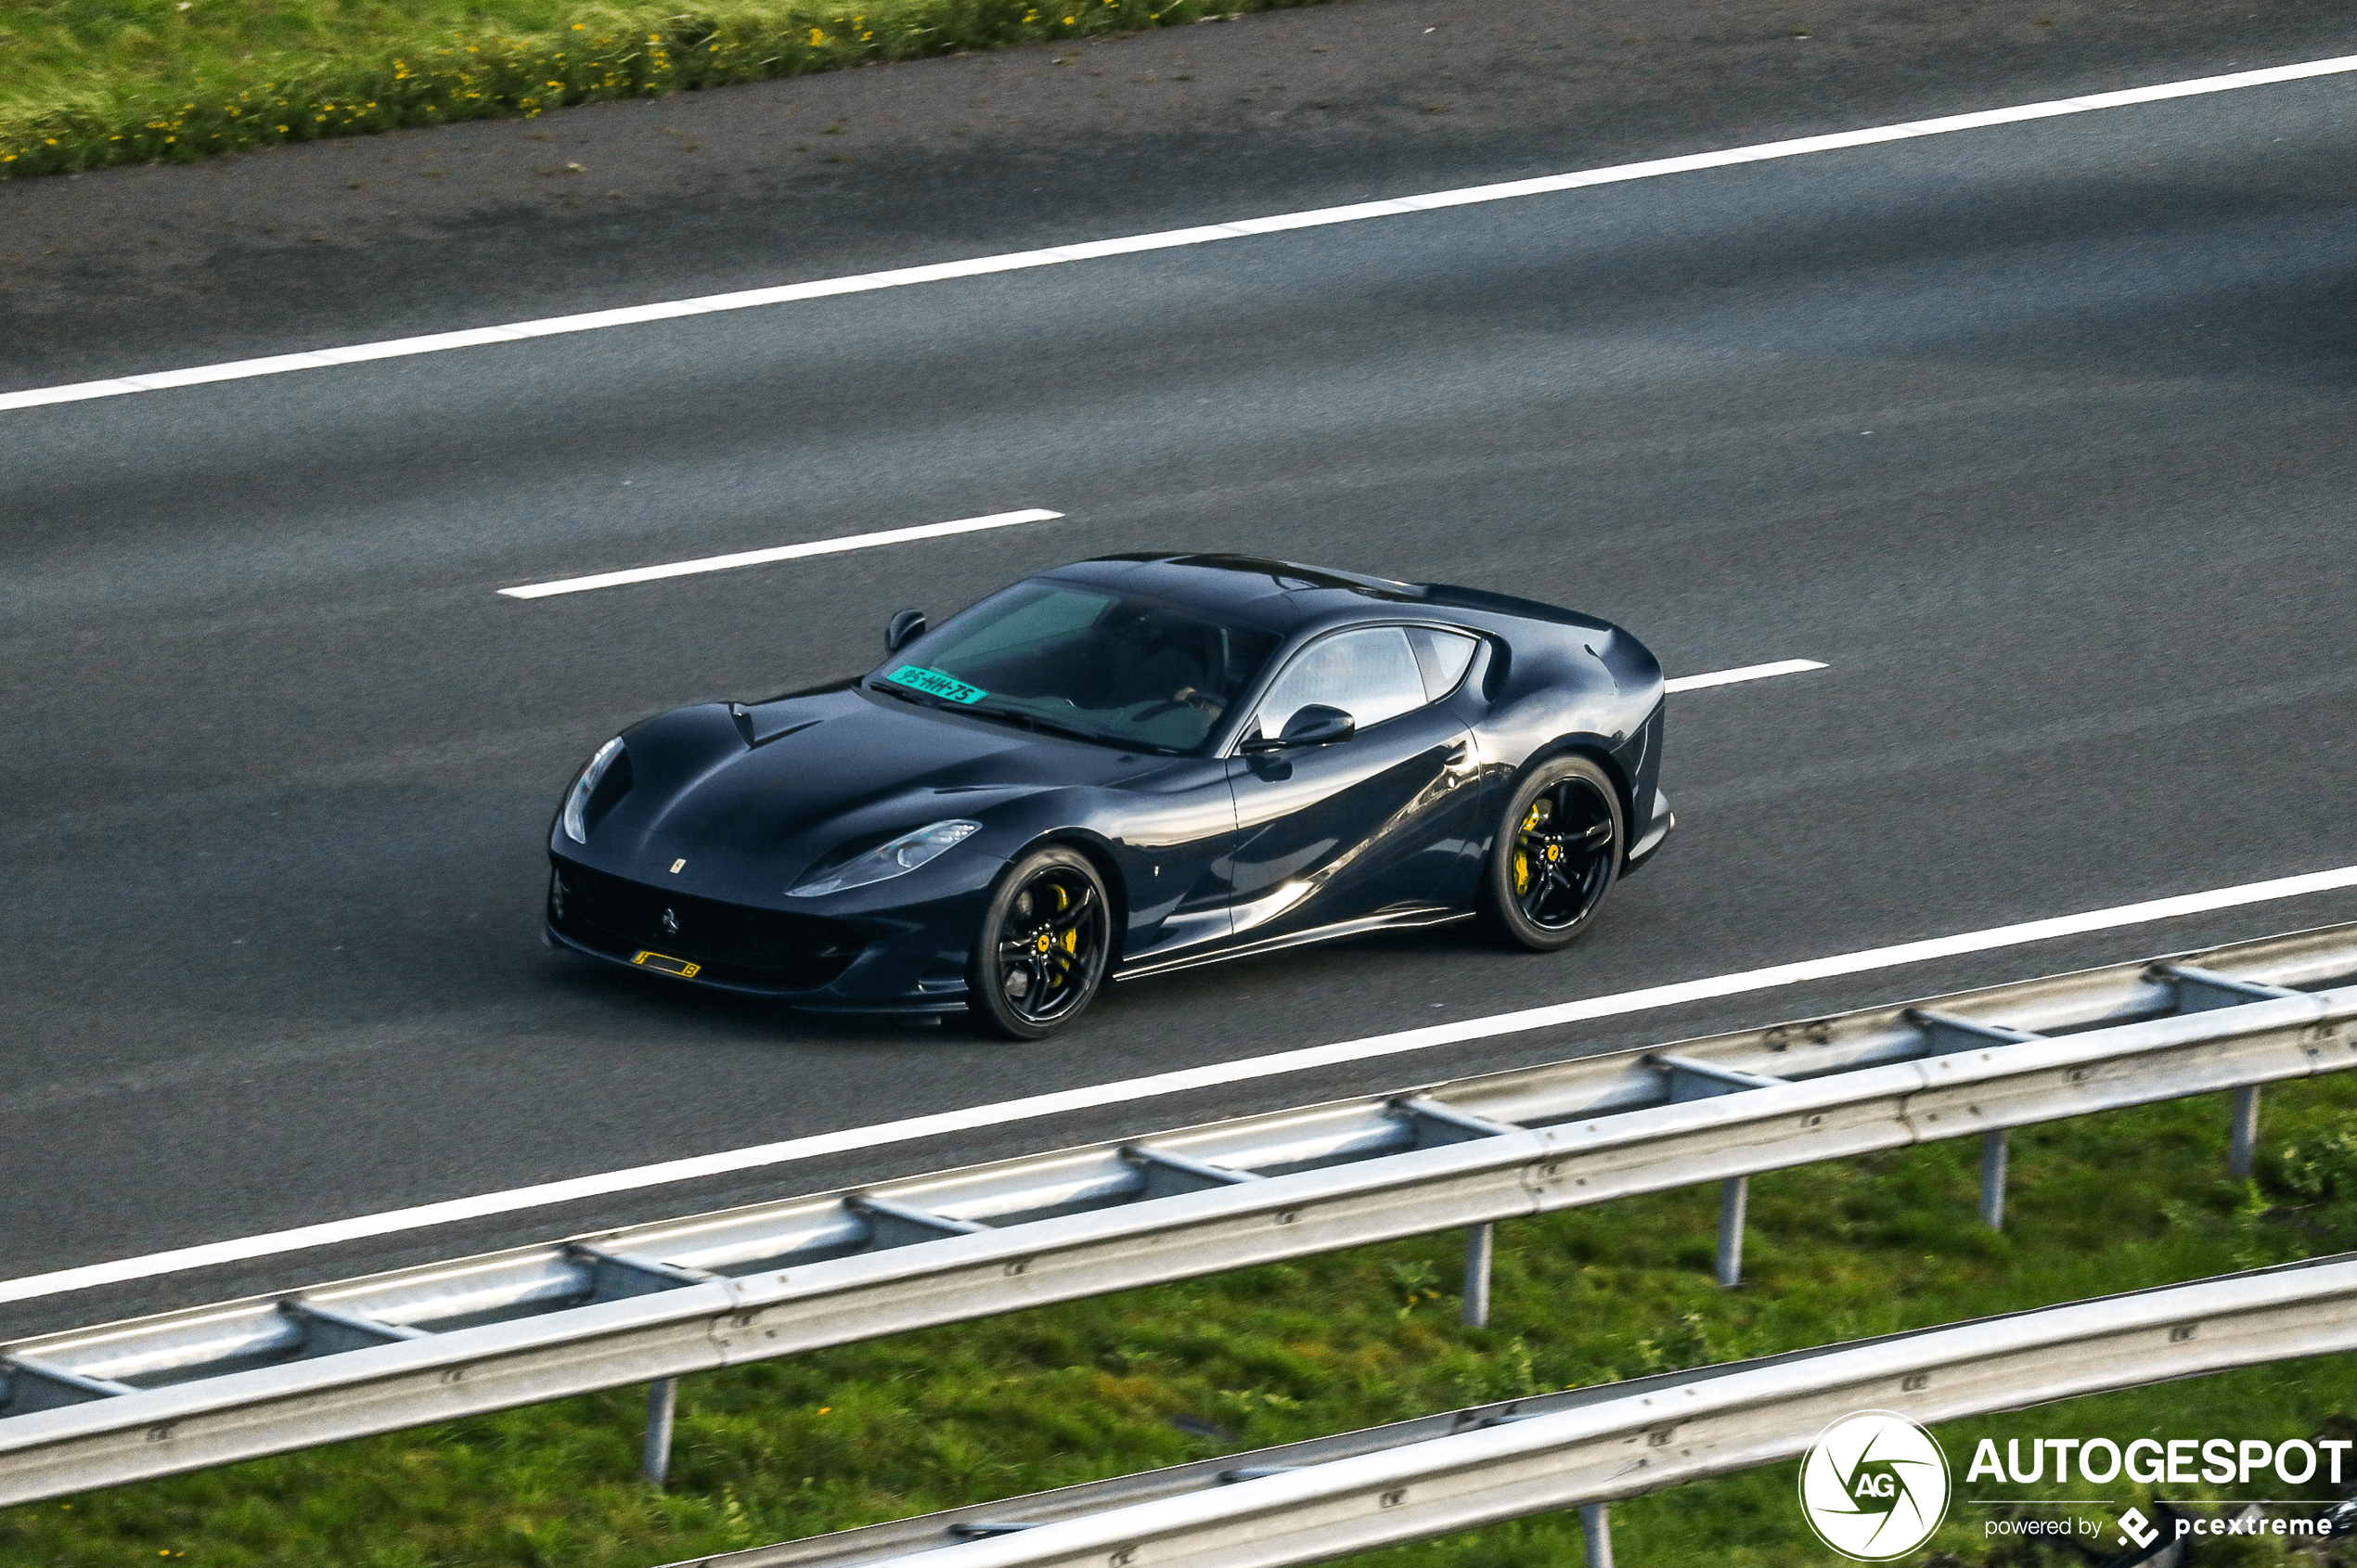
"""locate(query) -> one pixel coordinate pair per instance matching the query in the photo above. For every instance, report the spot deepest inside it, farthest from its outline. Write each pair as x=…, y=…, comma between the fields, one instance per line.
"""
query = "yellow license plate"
x=667, y=964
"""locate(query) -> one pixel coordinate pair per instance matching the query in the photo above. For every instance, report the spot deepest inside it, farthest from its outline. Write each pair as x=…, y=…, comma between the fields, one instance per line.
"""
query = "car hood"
x=781, y=785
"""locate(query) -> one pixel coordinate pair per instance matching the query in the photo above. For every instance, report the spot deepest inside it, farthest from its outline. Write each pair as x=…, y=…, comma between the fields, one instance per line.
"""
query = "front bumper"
x=907, y=960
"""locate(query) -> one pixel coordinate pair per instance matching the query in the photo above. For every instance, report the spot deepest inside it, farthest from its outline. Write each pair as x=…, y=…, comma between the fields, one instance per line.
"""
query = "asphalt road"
x=2038, y=436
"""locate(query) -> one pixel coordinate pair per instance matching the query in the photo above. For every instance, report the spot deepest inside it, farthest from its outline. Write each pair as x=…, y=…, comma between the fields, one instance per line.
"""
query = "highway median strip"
x=1048, y=1397
x=210, y=77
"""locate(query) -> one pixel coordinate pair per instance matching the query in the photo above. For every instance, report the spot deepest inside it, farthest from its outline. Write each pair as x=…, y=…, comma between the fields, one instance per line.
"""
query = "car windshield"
x=1083, y=661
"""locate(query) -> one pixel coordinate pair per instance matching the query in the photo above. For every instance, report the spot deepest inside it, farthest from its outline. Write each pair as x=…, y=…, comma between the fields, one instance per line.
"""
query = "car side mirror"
x=906, y=628
x=1317, y=724
x=1314, y=724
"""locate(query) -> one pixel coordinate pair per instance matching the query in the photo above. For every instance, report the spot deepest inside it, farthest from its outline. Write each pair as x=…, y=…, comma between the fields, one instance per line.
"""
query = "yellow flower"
x=817, y=38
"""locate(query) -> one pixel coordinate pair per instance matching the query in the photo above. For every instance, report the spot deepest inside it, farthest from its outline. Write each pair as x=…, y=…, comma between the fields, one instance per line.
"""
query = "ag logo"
x=1874, y=1485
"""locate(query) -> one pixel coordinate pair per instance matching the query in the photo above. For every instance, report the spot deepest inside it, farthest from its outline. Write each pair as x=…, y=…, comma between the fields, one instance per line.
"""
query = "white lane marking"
x=782, y=552
x=1129, y=1089
x=1747, y=672
x=1130, y=245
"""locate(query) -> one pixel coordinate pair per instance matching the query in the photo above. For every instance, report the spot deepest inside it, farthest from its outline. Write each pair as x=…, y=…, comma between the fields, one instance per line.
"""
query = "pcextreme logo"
x=1874, y=1485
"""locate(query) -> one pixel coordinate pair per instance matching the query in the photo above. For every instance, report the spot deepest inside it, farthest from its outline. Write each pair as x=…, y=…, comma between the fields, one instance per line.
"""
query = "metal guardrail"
x=209, y=1385
x=1304, y=1502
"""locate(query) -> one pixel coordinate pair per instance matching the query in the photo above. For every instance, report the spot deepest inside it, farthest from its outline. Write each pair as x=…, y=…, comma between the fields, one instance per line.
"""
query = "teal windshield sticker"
x=936, y=684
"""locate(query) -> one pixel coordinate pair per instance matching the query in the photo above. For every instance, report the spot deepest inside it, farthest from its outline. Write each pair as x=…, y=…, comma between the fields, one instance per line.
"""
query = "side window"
x=1370, y=674
x=1442, y=656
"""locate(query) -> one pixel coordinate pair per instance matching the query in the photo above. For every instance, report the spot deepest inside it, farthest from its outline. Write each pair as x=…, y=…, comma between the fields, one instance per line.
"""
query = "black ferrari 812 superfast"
x=1115, y=768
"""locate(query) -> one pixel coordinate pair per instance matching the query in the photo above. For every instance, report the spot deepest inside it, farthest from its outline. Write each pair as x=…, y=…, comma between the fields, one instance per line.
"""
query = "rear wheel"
x=1041, y=952
x=1556, y=852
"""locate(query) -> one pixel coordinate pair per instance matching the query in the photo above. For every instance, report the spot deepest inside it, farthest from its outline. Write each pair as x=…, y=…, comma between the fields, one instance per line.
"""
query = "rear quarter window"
x=1441, y=658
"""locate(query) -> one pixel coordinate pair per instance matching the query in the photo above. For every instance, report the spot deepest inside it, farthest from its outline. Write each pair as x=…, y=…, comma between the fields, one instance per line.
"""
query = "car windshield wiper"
x=1030, y=721
x=920, y=698
x=1044, y=727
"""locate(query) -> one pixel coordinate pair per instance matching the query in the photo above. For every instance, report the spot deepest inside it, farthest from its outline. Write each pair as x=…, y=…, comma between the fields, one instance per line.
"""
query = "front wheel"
x=1556, y=852
x=1041, y=952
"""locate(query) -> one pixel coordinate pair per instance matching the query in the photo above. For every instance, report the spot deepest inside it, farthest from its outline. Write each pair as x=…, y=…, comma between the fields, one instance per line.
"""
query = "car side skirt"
x=1403, y=919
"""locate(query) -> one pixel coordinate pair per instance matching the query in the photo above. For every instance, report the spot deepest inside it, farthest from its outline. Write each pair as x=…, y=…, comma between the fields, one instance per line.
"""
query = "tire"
x=1043, y=947
x=1556, y=853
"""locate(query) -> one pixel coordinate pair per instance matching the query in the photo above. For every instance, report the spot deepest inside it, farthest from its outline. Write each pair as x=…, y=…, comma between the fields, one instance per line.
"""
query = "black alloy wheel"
x=1556, y=853
x=1043, y=947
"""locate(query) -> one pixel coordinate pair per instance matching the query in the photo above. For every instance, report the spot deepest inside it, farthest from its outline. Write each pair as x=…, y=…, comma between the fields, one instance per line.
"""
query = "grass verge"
x=84, y=83
x=1093, y=1388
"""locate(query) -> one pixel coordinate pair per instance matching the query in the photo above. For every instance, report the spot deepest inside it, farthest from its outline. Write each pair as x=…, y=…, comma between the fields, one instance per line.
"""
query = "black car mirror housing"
x=1316, y=725
x=906, y=627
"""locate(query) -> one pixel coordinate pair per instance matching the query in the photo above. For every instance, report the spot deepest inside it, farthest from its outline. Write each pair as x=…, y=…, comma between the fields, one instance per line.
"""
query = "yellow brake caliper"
x=1522, y=855
x=1072, y=937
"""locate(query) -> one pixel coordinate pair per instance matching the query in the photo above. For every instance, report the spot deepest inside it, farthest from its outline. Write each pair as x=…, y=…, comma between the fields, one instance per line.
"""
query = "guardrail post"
x=1734, y=1196
x=662, y=1404
x=2243, y=1156
x=1595, y=1528
x=1478, y=1243
x=1993, y=1179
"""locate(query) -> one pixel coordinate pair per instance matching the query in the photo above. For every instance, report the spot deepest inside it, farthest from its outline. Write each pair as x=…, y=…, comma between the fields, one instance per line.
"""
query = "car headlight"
x=576, y=810
x=904, y=854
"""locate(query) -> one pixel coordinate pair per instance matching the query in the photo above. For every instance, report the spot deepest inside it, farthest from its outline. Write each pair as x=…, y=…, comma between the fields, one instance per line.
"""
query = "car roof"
x=1278, y=595
x=1284, y=596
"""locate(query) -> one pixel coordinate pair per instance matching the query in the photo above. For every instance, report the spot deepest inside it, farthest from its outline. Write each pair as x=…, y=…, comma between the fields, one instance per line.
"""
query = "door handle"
x=1458, y=753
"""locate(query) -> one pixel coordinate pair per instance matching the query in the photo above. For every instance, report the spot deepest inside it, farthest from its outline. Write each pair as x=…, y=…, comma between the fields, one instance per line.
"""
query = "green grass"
x=1088, y=1389
x=89, y=82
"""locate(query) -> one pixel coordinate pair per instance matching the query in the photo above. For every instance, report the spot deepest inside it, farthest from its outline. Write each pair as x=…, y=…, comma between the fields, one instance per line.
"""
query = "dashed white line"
x=1130, y=245
x=1127, y=1090
x=971, y=525
x=1746, y=673
x=782, y=552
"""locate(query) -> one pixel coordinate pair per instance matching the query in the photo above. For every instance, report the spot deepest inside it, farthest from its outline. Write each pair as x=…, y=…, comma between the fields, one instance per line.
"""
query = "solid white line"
x=782, y=552
x=1747, y=672
x=1129, y=1089
x=1090, y=250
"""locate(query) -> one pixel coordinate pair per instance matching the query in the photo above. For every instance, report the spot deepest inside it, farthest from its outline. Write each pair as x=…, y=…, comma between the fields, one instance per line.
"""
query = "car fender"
x=1100, y=854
